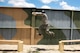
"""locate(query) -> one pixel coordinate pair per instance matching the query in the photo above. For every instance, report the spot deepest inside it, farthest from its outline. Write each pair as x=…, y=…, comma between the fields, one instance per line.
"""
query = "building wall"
x=20, y=24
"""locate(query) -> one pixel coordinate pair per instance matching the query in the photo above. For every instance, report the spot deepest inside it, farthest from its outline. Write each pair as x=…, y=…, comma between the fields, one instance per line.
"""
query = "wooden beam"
x=70, y=40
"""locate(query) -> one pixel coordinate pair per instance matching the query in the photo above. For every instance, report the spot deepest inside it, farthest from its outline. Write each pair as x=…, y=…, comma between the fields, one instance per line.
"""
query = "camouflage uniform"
x=44, y=30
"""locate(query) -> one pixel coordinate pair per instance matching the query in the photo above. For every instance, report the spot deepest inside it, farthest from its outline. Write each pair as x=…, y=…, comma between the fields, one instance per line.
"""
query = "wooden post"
x=32, y=35
x=61, y=46
x=33, y=29
x=20, y=46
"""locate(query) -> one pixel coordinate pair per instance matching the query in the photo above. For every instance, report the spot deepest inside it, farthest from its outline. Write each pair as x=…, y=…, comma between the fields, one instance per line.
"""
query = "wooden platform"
x=26, y=48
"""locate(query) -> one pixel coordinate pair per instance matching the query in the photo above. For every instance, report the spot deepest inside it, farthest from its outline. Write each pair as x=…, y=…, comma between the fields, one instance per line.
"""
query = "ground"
x=27, y=48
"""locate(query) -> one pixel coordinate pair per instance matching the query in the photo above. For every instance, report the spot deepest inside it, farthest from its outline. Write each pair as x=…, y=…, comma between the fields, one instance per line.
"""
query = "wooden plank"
x=9, y=40
x=70, y=40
